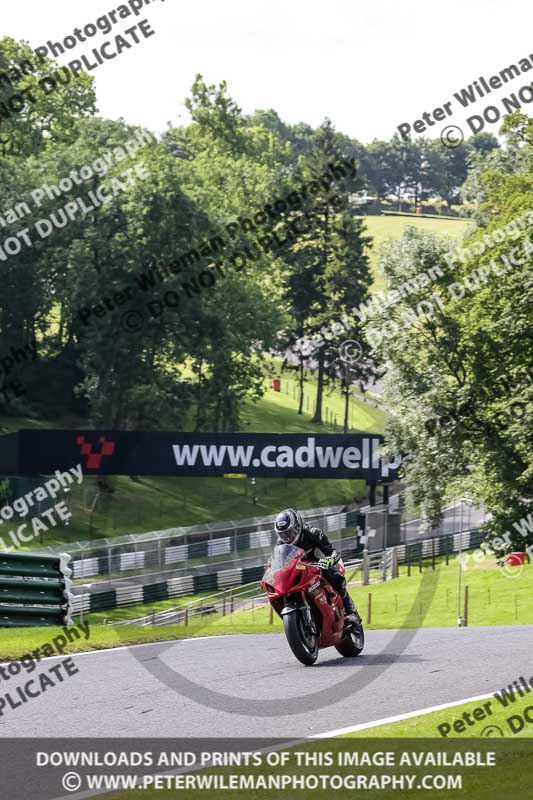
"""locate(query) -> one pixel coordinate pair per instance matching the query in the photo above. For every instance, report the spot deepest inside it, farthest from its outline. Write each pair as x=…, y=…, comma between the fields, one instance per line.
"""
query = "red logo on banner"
x=95, y=459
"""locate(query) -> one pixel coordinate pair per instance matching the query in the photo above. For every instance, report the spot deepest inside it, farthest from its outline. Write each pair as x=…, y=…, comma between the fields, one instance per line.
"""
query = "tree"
x=329, y=268
x=457, y=368
x=445, y=170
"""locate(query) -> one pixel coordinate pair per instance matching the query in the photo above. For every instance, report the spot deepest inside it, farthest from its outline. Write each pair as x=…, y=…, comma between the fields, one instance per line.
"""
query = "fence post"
x=408, y=560
x=465, y=612
x=231, y=600
x=369, y=612
x=433, y=554
x=366, y=567
x=394, y=568
x=186, y=619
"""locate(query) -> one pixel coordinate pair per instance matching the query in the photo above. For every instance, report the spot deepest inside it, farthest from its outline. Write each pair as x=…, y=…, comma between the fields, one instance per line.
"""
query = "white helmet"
x=289, y=526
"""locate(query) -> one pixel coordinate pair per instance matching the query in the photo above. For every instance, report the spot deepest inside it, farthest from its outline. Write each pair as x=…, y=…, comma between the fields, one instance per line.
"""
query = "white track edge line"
x=398, y=717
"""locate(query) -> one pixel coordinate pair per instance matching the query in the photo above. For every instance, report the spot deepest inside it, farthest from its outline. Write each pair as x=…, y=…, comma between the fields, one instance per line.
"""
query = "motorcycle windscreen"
x=281, y=556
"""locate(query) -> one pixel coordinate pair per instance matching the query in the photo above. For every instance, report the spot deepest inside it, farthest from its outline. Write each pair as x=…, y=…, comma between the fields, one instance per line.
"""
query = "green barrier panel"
x=199, y=549
x=445, y=544
x=33, y=582
x=101, y=601
x=34, y=566
x=26, y=616
x=251, y=574
x=18, y=590
x=413, y=551
x=155, y=591
x=205, y=583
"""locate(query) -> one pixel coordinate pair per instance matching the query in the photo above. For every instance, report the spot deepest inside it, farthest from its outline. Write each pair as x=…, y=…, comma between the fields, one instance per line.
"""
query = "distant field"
x=385, y=228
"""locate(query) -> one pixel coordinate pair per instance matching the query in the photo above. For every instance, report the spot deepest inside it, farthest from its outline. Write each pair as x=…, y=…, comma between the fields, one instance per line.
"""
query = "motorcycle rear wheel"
x=303, y=645
x=353, y=642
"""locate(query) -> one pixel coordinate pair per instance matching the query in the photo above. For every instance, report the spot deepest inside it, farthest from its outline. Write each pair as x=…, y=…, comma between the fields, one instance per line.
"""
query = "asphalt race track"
x=123, y=692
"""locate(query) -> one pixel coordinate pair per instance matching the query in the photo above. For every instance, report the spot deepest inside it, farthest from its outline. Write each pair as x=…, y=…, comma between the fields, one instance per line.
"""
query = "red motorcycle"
x=311, y=609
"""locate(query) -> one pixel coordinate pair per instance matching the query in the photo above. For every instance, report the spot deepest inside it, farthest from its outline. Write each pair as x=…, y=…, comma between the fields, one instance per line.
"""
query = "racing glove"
x=328, y=561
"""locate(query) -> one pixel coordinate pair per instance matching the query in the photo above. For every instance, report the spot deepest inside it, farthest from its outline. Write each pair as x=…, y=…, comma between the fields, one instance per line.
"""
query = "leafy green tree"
x=48, y=108
x=459, y=363
x=445, y=170
x=328, y=257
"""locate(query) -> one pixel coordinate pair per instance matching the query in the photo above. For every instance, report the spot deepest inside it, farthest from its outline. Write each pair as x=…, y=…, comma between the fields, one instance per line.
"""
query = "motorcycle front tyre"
x=303, y=645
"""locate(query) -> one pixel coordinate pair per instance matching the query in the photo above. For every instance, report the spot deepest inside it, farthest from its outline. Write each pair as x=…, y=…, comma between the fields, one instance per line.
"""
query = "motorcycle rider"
x=291, y=529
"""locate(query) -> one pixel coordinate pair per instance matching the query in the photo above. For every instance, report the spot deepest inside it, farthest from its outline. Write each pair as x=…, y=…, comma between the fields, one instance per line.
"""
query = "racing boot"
x=350, y=611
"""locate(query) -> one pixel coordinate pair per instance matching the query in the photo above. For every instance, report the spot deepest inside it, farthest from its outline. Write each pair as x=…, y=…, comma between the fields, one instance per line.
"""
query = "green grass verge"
x=276, y=405
x=421, y=600
x=430, y=599
x=17, y=642
x=141, y=610
x=458, y=722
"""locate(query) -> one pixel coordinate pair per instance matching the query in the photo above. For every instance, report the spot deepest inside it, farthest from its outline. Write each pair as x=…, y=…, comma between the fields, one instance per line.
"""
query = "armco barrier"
x=156, y=550
x=35, y=590
x=155, y=555
x=226, y=579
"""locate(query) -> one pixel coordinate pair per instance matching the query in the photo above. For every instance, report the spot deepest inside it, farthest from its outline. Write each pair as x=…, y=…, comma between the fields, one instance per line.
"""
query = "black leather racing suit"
x=312, y=538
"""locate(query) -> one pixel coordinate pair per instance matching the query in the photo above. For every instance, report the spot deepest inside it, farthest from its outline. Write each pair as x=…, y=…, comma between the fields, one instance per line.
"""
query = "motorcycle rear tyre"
x=348, y=647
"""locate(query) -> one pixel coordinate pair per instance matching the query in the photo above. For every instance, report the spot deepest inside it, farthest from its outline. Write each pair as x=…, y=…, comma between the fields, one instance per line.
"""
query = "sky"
x=369, y=66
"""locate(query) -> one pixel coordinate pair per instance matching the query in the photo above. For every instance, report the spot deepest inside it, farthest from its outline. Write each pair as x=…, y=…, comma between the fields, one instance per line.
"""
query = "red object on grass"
x=276, y=385
x=515, y=559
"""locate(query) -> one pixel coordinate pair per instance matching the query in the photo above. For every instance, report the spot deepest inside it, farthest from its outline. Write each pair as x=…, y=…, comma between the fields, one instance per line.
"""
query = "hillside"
x=142, y=504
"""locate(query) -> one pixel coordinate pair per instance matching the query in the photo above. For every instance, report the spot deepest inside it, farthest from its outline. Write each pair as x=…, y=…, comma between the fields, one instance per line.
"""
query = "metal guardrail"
x=371, y=568
x=179, y=547
x=208, y=529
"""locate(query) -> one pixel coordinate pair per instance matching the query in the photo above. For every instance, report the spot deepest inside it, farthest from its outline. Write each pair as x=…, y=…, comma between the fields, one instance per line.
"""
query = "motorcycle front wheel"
x=302, y=641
